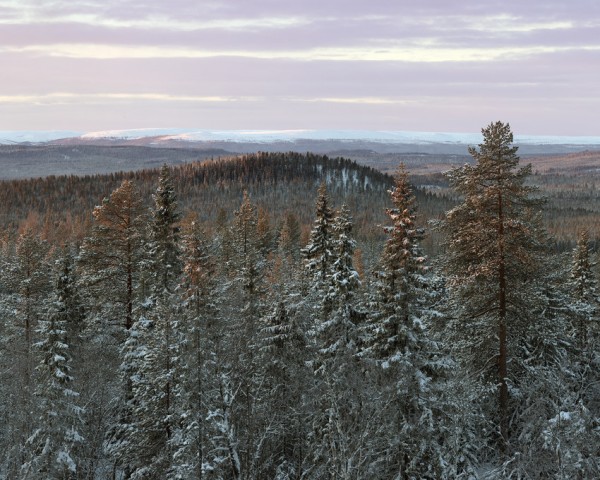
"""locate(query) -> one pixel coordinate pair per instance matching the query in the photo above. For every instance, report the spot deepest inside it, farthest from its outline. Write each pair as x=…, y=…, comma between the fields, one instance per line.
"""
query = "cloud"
x=302, y=64
x=63, y=98
x=356, y=100
x=390, y=53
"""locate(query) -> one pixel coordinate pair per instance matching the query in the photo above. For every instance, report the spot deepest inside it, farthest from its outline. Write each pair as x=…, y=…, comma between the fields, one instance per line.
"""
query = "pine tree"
x=112, y=255
x=493, y=256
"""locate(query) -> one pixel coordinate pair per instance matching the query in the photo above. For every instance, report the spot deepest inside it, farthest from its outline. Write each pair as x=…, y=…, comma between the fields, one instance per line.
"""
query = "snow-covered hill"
x=389, y=137
x=34, y=136
x=164, y=135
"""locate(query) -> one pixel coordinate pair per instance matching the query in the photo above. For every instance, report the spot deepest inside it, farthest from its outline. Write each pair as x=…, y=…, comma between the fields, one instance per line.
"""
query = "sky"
x=397, y=65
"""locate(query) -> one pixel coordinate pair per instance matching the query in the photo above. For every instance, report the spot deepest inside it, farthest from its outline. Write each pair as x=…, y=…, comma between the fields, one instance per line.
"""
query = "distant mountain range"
x=320, y=141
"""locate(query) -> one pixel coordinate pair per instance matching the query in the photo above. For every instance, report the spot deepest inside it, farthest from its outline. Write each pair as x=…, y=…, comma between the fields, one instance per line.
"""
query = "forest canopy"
x=294, y=316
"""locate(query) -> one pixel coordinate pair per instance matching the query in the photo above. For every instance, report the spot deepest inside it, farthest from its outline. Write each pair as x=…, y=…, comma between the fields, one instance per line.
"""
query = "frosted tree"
x=141, y=439
x=249, y=265
x=493, y=256
x=284, y=351
x=543, y=380
x=26, y=284
x=55, y=439
x=110, y=267
x=569, y=434
x=401, y=294
x=341, y=424
x=164, y=236
x=198, y=346
x=318, y=253
x=584, y=290
x=339, y=331
x=264, y=232
x=111, y=257
x=74, y=311
x=410, y=368
x=241, y=378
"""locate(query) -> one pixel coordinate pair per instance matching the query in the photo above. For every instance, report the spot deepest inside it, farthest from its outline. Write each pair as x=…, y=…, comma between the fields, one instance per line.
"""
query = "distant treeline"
x=61, y=205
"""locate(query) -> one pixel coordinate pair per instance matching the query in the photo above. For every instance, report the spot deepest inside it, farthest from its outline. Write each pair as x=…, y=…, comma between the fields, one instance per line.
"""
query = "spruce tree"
x=410, y=368
x=318, y=253
x=25, y=278
x=164, y=235
x=584, y=291
x=400, y=289
x=141, y=439
x=199, y=339
x=247, y=289
x=54, y=442
x=283, y=354
x=339, y=331
x=340, y=422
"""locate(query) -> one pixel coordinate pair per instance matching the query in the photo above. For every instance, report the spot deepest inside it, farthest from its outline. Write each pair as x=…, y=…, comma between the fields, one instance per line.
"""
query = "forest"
x=293, y=316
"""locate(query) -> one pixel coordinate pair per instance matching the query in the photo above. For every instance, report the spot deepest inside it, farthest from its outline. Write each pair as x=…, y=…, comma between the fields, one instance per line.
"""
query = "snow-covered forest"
x=163, y=346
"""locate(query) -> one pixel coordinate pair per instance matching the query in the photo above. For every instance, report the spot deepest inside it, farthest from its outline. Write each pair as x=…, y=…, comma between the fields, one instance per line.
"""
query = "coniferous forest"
x=287, y=316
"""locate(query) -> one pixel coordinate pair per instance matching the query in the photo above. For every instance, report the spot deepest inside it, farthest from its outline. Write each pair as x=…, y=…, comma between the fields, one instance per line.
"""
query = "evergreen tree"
x=318, y=253
x=289, y=236
x=263, y=232
x=410, y=366
x=141, y=440
x=339, y=332
x=164, y=235
x=54, y=442
x=341, y=422
x=284, y=351
x=249, y=264
x=493, y=258
x=246, y=411
x=113, y=254
x=199, y=338
x=401, y=294
x=73, y=303
x=584, y=287
x=25, y=281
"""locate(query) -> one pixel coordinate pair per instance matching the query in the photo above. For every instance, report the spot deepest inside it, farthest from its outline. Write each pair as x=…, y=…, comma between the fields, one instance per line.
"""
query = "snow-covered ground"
x=34, y=136
x=383, y=136
x=270, y=136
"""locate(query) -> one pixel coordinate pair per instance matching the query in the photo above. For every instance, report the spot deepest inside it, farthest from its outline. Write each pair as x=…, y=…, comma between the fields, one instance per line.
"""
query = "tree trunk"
x=502, y=330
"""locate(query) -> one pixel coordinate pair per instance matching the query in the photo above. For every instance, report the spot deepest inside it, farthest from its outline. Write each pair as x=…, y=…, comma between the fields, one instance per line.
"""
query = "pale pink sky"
x=328, y=64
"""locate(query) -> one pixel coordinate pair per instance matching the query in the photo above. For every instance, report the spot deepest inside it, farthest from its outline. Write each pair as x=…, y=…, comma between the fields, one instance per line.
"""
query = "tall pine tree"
x=493, y=256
